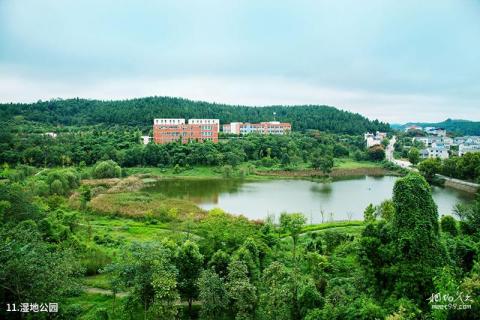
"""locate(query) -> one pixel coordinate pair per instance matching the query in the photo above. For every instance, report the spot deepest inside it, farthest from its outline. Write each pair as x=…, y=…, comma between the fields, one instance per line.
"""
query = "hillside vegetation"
x=460, y=127
x=140, y=113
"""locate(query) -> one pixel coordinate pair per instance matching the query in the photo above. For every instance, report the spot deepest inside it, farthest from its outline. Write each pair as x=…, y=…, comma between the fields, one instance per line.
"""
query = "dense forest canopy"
x=460, y=127
x=140, y=113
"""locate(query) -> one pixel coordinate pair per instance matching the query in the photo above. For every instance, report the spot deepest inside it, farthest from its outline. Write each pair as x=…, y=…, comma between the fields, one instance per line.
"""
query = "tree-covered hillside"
x=140, y=112
x=460, y=127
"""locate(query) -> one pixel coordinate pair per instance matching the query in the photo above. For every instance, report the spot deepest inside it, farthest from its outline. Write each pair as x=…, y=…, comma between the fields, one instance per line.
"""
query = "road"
x=389, y=155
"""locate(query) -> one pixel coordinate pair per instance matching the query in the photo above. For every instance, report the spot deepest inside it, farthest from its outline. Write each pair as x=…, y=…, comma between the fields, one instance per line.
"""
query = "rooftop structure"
x=205, y=121
x=173, y=130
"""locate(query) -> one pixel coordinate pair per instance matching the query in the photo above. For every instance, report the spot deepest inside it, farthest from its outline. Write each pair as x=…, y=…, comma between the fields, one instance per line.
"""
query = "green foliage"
x=469, y=214
x=219, y=263
x=107, y=169
x=429, y=168
x=213, y=294
x=220, y=230
x=413, y=156
x=227, y=171
x=460, y=127
x=275, y=301
x=369, y=213
x=416, y=235
x=376, y=153
x=32, y=270
x=147, y=269
x=314, y=243
x=292, y=224
x=333, y=239
x=449, y=225
x=17, y=203
x=386, y=210
x=240, y=291
x=140, y=112
x=308, y=296
x=189, y=263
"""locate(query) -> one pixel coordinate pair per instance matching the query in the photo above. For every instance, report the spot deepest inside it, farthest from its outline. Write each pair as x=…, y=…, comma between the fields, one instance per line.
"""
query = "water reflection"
x=341, y=199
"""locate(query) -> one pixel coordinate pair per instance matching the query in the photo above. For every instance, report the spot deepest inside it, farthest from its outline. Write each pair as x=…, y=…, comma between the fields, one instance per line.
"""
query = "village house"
x=374, y=139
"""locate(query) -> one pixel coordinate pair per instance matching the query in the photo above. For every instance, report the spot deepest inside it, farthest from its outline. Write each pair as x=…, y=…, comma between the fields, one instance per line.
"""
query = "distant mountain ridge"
x=140, y=113
x=458, y=126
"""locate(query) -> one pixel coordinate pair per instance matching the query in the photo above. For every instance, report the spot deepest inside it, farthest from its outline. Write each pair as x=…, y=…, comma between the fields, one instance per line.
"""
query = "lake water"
x=338, y=200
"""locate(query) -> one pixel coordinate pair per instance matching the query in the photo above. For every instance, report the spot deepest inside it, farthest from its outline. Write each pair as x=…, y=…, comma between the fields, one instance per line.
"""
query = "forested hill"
x=461, y=127
x=140, y=112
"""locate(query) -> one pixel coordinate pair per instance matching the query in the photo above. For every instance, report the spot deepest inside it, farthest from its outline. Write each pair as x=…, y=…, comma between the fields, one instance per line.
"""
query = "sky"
x=391, y=60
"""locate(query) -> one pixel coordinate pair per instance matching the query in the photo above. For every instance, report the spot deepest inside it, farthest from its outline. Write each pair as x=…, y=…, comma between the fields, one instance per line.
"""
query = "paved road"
x=389, y=155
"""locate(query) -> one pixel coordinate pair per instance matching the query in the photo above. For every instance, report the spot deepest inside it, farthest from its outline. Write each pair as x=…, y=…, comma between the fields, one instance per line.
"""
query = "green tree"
x=107, y=169
x=469, y=215
x=164, y=283
x=369, y=214
x=413, y=155
x=33, y=270
x=213, y=295
x=276, y=297
x=376, y=153
x=429, y=168
x=449, y=225
x=147, y=269
x=219, y=262
x=416, y=237
x=241, y=292
x=189, y=262
x=292, y=224
x=322, y=161
x=386, y=210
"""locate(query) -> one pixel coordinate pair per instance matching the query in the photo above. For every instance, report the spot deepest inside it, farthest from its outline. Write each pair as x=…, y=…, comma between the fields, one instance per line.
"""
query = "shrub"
x=94, y=260
x=449, y=225
x=334, y=238
x=376, y=153
x=107, y=169
x=227, y=171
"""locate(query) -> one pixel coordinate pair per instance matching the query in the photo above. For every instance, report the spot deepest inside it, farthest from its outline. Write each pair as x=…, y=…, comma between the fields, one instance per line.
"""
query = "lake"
x=338, y=200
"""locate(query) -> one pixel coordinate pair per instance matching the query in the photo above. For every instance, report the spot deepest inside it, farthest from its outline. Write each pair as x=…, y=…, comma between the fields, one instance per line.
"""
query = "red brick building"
x=173, y=130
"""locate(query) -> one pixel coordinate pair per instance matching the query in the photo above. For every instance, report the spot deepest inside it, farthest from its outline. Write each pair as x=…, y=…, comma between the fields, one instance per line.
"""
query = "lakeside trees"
x=227, y=267
x=98, y=146
x=466, y=167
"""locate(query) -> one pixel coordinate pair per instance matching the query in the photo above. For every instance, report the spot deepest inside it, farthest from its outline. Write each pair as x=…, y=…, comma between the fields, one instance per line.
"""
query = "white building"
x=434, y=152
x=232, y=127
x=374, y=139
x=50, y=134
x=146, y=139
x=432, y=140
x=465, y=148
x=440, y=132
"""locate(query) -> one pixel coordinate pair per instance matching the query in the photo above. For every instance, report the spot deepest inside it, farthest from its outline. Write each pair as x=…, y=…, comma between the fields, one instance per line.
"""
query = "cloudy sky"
x=393, y=60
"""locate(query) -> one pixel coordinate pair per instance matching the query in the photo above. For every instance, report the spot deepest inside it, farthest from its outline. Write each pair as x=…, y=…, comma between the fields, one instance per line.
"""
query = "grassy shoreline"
x=344, y=167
